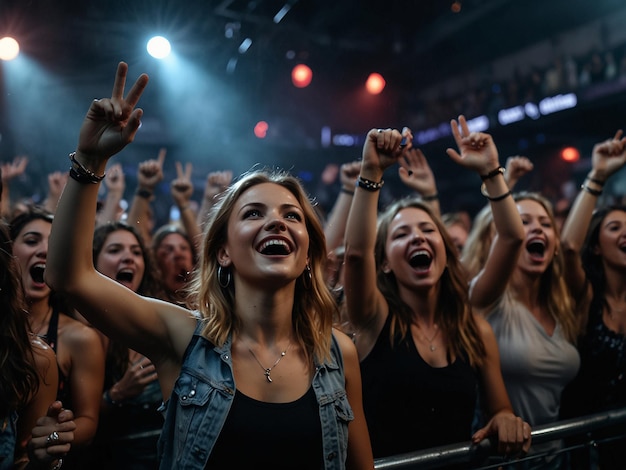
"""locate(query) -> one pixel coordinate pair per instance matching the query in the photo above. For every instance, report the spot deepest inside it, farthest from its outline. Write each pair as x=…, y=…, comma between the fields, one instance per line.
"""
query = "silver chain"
x=268, y=370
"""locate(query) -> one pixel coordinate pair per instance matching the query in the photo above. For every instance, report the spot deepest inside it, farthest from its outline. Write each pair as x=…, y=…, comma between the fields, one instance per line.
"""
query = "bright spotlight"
x=375, y=83
x=301, y=76
x=9, y=48
x=159, y=47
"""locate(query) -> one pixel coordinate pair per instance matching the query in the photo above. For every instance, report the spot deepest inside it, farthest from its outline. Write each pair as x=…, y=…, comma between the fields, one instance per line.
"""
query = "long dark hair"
x=117, y=353
x=20, y=379
x=455, y=314
x=592, y=259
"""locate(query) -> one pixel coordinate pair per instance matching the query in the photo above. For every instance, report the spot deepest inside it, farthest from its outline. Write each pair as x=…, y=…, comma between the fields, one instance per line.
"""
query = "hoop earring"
x=224, y=282
x=307, y=277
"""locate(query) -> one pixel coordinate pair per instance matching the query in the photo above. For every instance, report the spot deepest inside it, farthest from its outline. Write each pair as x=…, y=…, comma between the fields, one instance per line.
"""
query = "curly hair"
x=314, y=307
x=454, y=313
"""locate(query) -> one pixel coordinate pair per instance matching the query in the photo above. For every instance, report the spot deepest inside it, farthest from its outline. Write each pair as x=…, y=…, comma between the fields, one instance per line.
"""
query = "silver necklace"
x=268, y=370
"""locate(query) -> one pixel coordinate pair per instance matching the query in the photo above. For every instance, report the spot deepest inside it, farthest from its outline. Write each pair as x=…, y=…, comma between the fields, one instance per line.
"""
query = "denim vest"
x=204, y=392
x=8, y=437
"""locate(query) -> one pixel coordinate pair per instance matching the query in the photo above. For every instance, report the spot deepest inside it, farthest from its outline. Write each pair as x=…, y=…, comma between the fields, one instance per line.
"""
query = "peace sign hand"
x=181, y=188
x=478, y=151
x=111, y=123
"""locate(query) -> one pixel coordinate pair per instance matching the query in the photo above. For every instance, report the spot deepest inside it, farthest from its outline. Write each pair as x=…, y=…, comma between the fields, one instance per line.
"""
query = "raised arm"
x=607, y=158
x=516, y=167
x=159, y=330
x=336, y=224
x=149, y=174
x=115, y=184
x=56, y=182
x=415, y=172
x=10, y=171
x=366, y=305
x=216, y=184
x=181, y=189
x=479, y=153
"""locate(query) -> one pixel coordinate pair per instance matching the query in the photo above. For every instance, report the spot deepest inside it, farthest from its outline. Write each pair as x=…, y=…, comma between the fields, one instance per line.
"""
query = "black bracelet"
x=144, y=193
x=431, y=197
x=593, y=192
x=483, y=191
x=498, y=171
x=82, y=179
x=347, y=191
x=82, y=174
x=593, y=180
x=369, y=185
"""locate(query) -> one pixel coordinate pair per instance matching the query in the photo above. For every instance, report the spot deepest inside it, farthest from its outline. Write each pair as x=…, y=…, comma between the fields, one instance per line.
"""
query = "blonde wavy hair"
x=554, y=293
x=314, y=307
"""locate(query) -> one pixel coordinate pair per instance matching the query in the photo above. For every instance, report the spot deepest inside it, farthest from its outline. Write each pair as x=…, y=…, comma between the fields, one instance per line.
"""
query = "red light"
x=260, y=130
x=375, y=83
x=570, y=154
x=301, y=76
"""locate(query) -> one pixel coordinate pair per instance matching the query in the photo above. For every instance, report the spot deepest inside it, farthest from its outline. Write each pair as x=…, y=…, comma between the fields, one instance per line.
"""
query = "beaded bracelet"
x=593, y=192
x=498, y=171
x=82, y=174
x=431, y=197
x=369, y=185
x=483, y=191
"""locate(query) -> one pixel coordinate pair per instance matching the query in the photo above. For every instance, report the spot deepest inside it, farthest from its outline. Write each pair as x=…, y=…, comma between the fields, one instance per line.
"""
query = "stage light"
x=375, y=83
x=159, y=47
x=570, y=154
x=301, y=76
x=9, y=48
x=260, y=130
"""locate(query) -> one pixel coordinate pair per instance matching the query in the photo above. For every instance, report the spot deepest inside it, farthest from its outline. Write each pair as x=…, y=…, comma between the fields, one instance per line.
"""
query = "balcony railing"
x=481, y=456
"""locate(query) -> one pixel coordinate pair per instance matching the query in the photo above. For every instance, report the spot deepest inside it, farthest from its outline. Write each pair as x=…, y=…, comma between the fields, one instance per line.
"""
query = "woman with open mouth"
x=257, y=371
x=594, y=241
x=424, y=355
x=520, y=289
x=79, y=353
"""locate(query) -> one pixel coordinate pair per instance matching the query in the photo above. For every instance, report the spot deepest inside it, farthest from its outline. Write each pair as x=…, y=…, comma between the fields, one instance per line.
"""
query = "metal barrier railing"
x=477, y=456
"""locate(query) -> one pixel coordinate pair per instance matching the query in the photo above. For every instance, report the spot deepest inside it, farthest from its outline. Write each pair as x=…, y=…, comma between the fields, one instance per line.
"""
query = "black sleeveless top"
x=601, y=381
x=258, y=435
x=410, y=405
x=51, y=337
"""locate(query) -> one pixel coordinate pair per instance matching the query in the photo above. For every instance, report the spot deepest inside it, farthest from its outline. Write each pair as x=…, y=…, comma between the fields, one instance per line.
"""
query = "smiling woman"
x=425, y=357
x=256, y=305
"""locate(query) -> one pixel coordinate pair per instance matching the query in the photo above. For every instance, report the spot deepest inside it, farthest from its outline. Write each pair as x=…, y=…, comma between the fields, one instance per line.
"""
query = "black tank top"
x=63, y=391
x=273, y=436
x=410, y=405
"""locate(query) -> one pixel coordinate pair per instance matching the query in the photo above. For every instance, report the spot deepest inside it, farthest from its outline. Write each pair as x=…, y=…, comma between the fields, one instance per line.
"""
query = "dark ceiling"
x=415, y=44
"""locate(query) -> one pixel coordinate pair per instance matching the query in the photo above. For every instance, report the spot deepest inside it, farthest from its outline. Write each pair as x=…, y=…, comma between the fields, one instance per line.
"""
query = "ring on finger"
x=52, y=437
